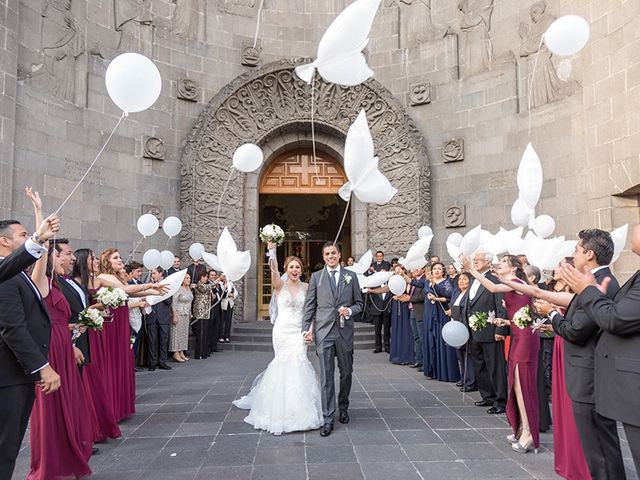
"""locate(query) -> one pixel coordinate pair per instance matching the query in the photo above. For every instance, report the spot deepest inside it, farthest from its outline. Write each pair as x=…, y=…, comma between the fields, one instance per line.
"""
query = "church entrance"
x=301, y=198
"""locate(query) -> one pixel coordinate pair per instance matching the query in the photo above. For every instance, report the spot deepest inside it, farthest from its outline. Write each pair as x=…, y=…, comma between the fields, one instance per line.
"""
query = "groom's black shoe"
x=326, y=429
x=344, y=416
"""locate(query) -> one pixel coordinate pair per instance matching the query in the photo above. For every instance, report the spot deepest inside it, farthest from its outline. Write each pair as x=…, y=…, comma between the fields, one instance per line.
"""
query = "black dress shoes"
x=483, y=403
x=138, y=369
x=326, y=429
x=377, y=350
x=459, y=384
x=387, y=349
x=344, y=417
x=469, y=389
x=416, y=365
x=95, y=451
x=164, y=366
x=496, y=410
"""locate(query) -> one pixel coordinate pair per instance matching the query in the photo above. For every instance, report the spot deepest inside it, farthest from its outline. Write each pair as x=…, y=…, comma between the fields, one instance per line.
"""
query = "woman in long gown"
x=179, y=338
x=444, y=361
x=286, y=396
x=401, y=351
x=522, y=400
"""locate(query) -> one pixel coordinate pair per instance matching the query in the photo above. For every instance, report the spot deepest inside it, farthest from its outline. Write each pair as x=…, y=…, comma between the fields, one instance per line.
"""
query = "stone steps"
x=256, y=337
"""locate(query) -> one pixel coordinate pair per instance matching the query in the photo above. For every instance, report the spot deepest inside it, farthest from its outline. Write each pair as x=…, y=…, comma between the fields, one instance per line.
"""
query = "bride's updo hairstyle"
x=290, y=259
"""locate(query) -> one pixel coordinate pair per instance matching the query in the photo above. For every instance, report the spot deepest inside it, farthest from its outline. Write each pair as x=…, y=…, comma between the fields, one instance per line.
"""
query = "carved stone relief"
x=154, y=148
x=250, y=56
x=475, y=26
x=153, y=210
x=266, y=102
x=455, y=216
x=453, y=151
x=243, y=8
x=131, y=18
x=420, y=94
x=546, y=87
x=185, y=20
x=187, y=89
x=416, y=24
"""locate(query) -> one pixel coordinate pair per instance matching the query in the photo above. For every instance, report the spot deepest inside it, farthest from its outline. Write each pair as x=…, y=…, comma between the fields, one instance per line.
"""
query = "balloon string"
x=344, y=217
x=313, y=130
x=533, y=76
x=222, y=196
x=124, y=114
x=255, y=37
x=193, y=200
x=133, y=252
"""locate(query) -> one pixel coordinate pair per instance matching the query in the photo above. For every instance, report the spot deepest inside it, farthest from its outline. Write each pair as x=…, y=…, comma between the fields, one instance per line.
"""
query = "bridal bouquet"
x=272, y=233
x=522, y=317
x=91, y=318
x=111, y=297
x=478, y=321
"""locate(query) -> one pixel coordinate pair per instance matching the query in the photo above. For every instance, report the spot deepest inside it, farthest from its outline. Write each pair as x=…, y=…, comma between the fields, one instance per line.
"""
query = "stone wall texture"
x=461, y=70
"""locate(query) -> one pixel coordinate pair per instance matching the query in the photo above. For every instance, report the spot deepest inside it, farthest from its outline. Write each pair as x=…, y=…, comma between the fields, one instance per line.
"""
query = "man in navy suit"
x=617, y=354
x=25, y=330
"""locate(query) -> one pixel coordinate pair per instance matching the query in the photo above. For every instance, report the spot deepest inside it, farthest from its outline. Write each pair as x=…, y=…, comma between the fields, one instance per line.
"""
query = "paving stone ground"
x=403, y=426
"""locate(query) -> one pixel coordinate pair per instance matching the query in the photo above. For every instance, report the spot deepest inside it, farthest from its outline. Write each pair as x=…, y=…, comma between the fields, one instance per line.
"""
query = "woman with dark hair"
x=522, y=400
x=61, y=440
x=202, y=309
x=459, y=298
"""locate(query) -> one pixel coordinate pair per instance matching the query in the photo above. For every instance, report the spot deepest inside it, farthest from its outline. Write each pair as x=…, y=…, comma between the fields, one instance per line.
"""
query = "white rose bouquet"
x=523, y=318
x=111, y=297
x=272, y=233
x=90, y=318
x=478, y=321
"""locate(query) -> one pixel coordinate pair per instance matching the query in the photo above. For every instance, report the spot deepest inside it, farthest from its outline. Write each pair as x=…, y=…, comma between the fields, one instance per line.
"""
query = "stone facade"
x=475, y=56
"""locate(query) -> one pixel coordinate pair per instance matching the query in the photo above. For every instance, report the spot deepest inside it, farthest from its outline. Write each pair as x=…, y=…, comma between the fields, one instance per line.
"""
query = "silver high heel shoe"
x=518, y=447
x=512, y=438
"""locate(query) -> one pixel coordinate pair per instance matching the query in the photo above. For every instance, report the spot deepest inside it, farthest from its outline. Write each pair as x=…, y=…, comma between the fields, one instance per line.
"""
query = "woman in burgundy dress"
x=522, y=400
x=61, y=436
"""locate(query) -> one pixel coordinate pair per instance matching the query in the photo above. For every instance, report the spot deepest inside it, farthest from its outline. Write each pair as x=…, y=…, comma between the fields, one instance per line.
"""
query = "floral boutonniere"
x=346, y=279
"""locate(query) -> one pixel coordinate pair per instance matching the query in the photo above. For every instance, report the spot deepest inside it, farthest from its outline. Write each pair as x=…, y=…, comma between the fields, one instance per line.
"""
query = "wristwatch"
x=37, y=239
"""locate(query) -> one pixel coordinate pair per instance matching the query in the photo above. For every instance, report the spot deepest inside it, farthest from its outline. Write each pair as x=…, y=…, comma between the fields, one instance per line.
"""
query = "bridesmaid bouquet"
x=91, y=318
x=522, y=318
x=272, y=233
x=111, y=297
x=478, y=321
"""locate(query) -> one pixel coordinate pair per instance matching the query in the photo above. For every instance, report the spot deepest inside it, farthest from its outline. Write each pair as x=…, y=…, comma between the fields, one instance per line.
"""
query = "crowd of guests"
x=580, y=354
x=86, y=376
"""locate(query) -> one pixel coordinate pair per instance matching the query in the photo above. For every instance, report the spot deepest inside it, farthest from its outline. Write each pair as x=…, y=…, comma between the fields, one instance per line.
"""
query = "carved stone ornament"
x=250, y=56
x=420, y=94
x=153, y=210
x=455, y=216
x=259, y=107
x=154, y=148
x=187, y=89
x=453, y=151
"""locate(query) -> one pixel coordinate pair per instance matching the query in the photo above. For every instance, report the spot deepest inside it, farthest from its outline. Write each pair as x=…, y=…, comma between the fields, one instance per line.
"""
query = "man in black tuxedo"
x=598, y=434
x=617, y=352
x=380, y=309
x=25, y=330
x=487, y=345
x=379, y=264
x=76, y=295
x=416, y=305
x=176, y=265
x=158, y=323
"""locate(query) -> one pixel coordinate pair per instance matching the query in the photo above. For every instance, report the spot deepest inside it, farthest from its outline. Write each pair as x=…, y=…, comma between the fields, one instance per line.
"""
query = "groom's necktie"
x=333, y=281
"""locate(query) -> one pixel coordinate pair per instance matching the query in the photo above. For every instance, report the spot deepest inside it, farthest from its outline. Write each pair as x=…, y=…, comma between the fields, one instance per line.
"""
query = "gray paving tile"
x=380, y=453
x=410, y=437
x=340, y=454
x=437, y=452
x=341, y=471
x=386, y=471
x=407, y=424
x=460, y=436
x=224, y=473
x=279, y=472
x=372, y=438
x=445, y=471
x=497, y=469
x=280, y=455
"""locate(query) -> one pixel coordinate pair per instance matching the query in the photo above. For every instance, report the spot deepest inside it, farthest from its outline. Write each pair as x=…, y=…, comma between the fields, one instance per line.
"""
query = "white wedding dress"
x=286, y=396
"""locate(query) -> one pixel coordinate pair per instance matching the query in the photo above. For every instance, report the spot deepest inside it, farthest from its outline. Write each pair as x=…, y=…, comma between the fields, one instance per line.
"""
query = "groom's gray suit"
x=323, y=301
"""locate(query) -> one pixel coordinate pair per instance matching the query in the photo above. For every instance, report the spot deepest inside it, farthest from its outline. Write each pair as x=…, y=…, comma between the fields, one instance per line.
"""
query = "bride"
x=286, y=396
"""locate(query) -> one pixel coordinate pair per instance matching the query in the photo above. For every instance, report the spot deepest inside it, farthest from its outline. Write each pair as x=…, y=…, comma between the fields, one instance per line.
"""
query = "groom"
x=333, y=298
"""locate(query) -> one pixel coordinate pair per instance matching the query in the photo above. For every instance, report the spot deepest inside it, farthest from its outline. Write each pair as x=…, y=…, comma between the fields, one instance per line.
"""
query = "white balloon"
x=148, y=224
x=340, y=59
x=512, y=240
x=363, y=264
x=567, y=35
x=455, y=333
x=248, y=157
x=471, y=241
x=419, y=249
x=133, y=82
x=171, y=226
x=453, y=250
x=166, y=259
x=397, y=285
x=619, y=237
x=195, y=250
x=520, y=213
x=530, y=177
x=413, y=263
x=374, y=280
x=424, y=231
x=151, y=259
x=212, y=261
x=174, y=281
x=455, y=239
x=234, y=263
x=544, y=225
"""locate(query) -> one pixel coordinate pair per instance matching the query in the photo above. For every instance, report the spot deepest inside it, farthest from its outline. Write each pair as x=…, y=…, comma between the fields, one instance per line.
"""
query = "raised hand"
x=48, y=228
x=35, y=198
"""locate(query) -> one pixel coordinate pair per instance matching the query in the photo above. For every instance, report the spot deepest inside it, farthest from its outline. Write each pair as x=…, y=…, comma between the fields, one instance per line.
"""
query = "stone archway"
x=271, y=107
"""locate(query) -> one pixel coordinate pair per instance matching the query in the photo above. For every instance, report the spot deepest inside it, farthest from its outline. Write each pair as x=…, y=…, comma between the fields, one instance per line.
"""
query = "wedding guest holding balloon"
x=202, y=295
x=195, y=269
x=401, y=335
x=522, y=407
x=136, y=308
x=182, y=300
x=158, y=324
x=457, y=309
x=381, y=310
x=229, y=295
x=416, y=317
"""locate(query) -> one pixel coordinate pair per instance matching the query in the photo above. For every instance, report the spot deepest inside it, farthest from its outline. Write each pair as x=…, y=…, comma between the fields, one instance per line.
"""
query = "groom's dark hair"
x=331, y=244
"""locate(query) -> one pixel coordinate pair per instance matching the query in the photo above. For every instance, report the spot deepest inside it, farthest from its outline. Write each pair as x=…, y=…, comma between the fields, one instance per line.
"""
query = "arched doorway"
x=301, y=198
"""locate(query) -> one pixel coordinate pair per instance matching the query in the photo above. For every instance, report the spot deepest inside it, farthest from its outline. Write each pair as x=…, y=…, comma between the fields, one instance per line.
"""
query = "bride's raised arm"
x=276, y=281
